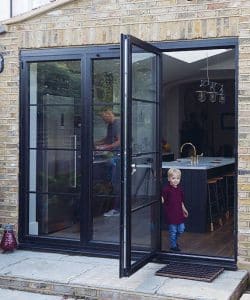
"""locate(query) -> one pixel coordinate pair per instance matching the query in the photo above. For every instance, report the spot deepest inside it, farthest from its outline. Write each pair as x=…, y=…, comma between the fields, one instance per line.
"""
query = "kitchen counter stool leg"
x=213, y=202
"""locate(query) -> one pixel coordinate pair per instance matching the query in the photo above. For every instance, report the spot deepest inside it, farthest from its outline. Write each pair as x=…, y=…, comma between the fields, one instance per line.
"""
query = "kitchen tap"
x=194, y=158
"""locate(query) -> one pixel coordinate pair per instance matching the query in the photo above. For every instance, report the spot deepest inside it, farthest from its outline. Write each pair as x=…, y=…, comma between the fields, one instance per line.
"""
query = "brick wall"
x=244, y=137
x=101, y=21
x=9, y=131
x=83, y=22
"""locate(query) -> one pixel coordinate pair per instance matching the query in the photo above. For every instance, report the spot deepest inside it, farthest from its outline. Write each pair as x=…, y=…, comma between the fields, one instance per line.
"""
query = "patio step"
x=86, y=292
x=97, y=279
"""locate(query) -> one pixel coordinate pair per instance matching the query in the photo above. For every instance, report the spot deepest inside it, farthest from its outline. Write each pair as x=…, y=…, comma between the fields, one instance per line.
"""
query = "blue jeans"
x=174, y=232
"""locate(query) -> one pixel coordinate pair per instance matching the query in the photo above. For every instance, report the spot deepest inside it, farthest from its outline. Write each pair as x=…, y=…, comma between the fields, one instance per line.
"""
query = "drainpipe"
x=11, y=9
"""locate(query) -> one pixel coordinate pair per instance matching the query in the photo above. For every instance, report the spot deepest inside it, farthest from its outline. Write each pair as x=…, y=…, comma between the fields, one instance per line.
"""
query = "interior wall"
x=170, y=123
x=209, y=126
x=214, y=122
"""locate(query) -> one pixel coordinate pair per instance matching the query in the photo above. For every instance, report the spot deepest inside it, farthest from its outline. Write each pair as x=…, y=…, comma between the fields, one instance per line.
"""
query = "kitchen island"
x=194, y=184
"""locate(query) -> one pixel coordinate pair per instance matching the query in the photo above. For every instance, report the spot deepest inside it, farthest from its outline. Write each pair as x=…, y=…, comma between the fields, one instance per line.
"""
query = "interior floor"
x=218, y=243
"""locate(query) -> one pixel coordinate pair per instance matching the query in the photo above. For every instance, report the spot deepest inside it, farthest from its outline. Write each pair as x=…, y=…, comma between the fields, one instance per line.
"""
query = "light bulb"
x=201, y=96
x=212, y=97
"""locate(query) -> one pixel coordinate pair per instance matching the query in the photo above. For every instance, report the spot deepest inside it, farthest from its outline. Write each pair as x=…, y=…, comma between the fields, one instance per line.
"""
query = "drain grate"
x=190, y=271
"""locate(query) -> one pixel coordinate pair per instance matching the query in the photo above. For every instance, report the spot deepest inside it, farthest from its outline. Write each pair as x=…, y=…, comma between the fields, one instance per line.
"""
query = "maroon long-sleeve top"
x=173, y=199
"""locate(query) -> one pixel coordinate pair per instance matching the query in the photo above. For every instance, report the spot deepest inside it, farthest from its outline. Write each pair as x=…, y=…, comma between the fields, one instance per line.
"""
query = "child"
x=174, y=208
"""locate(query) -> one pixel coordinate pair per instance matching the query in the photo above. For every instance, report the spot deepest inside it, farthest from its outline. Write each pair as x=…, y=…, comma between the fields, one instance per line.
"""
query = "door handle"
x=133, y=169
x=75, y=160
x=74, y=172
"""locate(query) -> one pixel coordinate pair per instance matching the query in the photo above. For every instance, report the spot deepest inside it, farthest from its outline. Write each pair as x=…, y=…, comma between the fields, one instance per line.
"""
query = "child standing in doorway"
x=174, y=208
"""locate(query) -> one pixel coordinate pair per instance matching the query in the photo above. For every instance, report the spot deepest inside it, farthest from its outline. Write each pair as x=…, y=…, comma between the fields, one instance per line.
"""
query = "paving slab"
x=98, y=279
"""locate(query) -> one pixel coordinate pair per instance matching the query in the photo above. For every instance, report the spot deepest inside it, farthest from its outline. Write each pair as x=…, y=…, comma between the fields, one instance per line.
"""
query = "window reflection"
x=55, y=152
x=144, y=75
x=106, y=82
x=143, y=133
x=106, y=151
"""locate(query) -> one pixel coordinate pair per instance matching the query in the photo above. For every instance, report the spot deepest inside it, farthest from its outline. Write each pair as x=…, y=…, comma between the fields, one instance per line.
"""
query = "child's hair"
x=172, y=172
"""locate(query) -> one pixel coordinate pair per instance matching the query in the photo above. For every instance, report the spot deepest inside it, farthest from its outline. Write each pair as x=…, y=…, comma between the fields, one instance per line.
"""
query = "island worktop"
x=204, y=163
x=194, y=184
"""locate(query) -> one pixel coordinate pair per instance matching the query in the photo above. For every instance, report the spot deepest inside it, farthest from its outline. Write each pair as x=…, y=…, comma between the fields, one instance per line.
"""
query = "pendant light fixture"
x=210, y=90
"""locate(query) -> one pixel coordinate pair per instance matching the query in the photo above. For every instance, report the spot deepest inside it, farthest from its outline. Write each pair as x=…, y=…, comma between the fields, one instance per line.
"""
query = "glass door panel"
x=105, y=193
x=142, y=233
x=140, y=156
x=54, y=148
x=143, y=134
x=57, y=171
x=143, y=180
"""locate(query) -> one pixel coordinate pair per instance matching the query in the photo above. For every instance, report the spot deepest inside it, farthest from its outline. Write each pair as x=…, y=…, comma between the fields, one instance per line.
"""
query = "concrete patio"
x=97, y=278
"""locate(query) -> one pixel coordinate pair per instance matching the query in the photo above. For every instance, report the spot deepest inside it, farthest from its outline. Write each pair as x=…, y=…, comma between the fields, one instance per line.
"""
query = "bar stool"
x=213, y=202
x=221, y=194
x=229, y=184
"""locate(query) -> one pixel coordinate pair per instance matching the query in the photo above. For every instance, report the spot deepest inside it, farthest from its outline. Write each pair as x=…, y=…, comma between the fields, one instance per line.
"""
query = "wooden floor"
x=218, y=243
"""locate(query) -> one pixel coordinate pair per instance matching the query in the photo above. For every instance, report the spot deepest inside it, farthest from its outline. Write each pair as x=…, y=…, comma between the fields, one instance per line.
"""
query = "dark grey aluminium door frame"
x=133, y=257
x=48, y=242
x=220, y=43
x=29, y=57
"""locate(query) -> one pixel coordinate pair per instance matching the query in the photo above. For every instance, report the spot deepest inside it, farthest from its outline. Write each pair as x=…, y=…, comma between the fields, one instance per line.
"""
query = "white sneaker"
x=112, y=213
x=116, y=213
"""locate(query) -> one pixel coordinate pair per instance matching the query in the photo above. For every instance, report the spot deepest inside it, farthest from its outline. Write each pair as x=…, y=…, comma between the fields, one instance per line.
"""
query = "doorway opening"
x=198, y=119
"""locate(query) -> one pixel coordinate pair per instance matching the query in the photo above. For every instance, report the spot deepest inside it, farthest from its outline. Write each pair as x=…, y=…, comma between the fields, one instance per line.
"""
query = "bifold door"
x=140, y=190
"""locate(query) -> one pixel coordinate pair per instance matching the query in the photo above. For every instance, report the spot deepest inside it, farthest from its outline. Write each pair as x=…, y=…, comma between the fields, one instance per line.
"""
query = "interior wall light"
x=210, y=90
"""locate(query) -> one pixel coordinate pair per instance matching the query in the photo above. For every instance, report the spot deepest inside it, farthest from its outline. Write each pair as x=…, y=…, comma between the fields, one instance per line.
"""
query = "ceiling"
x=176, y=70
